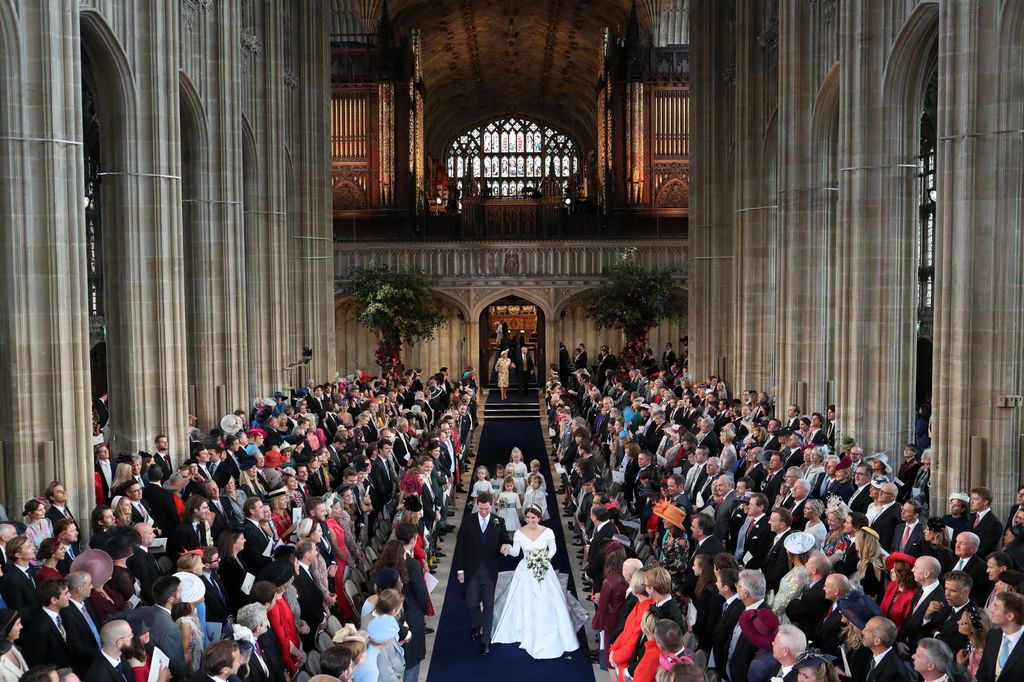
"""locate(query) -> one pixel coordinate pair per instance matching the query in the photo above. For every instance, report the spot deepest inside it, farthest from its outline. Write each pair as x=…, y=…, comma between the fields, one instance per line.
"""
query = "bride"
x=533, y=610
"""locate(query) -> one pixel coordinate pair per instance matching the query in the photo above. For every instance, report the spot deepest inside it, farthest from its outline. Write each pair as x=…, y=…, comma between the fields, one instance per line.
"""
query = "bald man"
x=109, y=664
x=929, y=600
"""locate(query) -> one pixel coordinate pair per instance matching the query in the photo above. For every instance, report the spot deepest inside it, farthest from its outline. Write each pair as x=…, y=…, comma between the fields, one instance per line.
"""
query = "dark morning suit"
x=807, y=610
x=885, y=524
x=776, y=562
x=889, y=669
x=827, y=633
x=976, y=568
x=100, y=670
x=311, y=605
x=162, y=507
x=742, y=655
x=1014, y=667
x=416, y=607
x=218, y=606
x=41, y=642
x=19, y=591
x=143, y=566
x=757, y=543
x=914, y=626
x=989, y=531
x=81, y=643
x=915, y=543
x=479, y=563
x=949, y=628
x=860, y=499
x=185, y=537
x=256, y=542
x=595, y=558
x=723, y=636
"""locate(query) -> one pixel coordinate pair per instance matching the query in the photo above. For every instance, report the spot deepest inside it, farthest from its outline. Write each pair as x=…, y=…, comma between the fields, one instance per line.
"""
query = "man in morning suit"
x=254, y=553
x=109, y=664
x=164, y=632
x=43, y=639
x=311, y=598
x=18, y=588
x=929, y=602
x=221, y=661
x=81, y=622
x=808, y=609
x=885, y=666
x=985, y=524
x=482, y=536
x=909, y=535
x=1003, y=655
x=827, y=633
x=787, y=646
x=603, y=532
x=751, y=591
x=732, y=609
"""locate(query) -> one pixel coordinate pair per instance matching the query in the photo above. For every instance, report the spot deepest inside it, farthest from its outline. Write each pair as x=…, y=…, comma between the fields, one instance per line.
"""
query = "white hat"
x=192, y=588
x=963, y=497
x=799, y=543
x=879, y=481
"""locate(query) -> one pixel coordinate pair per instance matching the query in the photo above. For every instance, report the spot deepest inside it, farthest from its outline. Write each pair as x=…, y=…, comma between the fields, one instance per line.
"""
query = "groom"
x=482, y=537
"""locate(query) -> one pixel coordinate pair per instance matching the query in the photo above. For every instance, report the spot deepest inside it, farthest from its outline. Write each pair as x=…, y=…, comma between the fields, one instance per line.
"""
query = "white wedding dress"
x=535, y=614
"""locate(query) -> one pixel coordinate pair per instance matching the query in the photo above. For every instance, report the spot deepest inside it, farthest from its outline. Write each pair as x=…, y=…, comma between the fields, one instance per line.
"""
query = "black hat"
x=412, y=503
x=247, y=464
x=277, y=572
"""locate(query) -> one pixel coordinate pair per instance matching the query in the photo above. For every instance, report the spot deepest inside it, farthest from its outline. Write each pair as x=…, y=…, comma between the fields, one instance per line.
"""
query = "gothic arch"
x=532, y=296
x=106, y=68
x=194, y=139
x=10, y=52
x=913, y=57
x=825, y=127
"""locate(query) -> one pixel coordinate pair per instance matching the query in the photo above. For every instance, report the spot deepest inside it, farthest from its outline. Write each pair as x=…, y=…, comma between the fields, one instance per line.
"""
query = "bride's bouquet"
x=537, y=563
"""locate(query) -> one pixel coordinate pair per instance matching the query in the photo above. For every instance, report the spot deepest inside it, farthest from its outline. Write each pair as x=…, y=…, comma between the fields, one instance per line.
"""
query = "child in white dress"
x=482, y=484
x=520, y=483
x=536, y=496
x=535, y=469
x=509, y=505
x=516, y=460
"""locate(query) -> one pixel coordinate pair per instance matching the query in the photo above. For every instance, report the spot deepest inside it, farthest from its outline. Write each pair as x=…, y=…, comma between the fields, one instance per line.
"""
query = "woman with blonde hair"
x=870, y=566
x=122, y=507
x=125, y=473
x=621, y=650
x=974, y=624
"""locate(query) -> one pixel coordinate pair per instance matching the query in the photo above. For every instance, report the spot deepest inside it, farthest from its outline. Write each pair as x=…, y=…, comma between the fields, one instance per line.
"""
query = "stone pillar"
x=311, y=231
x=876, y=229
x=219, y=367
x=807, y=192
x=44, y=333
x=711, y=265
x=755, y=192
x=979, y=292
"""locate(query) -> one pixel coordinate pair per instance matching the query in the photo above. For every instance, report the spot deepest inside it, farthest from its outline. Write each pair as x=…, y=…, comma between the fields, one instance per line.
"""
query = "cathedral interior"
x=185, y=186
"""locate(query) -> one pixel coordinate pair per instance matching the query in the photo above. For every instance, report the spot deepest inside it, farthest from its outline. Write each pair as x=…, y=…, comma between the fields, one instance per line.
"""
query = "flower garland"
x=537, y=563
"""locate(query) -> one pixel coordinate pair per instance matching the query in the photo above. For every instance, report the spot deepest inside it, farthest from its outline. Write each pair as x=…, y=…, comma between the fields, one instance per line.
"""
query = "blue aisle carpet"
x=455, y=656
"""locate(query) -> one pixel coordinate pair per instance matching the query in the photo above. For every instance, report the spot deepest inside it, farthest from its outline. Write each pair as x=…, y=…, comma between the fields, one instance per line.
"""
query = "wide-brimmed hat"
x=670, y=514
x=798, y=543
x=963, y=497
x=192, y=587
x=97, y=564
x=812, y=658
x=898, y=557
x=760, y=627
x=880, y=457
x=858, y=608
x=878, y=481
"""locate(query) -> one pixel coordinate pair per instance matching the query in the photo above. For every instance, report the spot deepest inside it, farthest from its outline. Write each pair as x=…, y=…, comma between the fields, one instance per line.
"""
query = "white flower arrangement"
x=506, y=504
x=538, y=563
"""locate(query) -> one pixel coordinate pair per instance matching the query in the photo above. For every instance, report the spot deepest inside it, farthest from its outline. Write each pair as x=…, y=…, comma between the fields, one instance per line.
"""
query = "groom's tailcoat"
x=481, y=551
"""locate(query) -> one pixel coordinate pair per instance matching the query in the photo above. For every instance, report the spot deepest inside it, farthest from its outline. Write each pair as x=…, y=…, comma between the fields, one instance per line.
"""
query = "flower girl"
x=509, y=505
x=482, y=484
x=536, y=496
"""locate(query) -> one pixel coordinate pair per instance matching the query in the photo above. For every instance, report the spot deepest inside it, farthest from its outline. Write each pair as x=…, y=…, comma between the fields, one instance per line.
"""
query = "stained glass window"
x=509, y=149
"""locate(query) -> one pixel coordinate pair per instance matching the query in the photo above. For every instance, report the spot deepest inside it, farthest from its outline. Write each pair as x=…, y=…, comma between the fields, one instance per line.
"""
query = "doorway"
x=525, y=323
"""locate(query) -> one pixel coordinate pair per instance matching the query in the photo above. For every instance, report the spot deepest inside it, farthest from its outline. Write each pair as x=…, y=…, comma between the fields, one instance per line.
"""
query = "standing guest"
x=37, y=526
x=984, y=522
x=108, y=664
x=968, y=561
x=611, y=596
x=416, y=603
x=870, y=565
x=936, y=543
x=808, y=609
x=899, y=593
x=270, y=593
x=12, y=663
x=1003, y=656
x=706, y=600
x=164, y=632
x=383, y=635
x=838, y=540
x=958, y=517
x=310, y=530
x=974, y=625
x=787, y=648
x=813, y=512
x=798, y=548
x=51, y=553
x=18, y=588
x=760, y=627
x=933, y=660
x=879, y=636
x=622, y=647
x=647, y=663
x=43, y=639
x=311, y=597
x=929, y=601
x=56, y=494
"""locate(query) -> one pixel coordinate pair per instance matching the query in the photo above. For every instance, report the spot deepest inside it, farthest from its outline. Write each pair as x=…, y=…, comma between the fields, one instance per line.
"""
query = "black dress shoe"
x=459, y=489
x=440, y=554
x=429, y=631
x=474, y=634
x=485, y=648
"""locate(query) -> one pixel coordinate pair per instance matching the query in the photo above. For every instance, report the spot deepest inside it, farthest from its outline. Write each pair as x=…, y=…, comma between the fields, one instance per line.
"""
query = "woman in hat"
x=675, y=547
x=959, y=517
x=760, y=626
x=974, y=624
x=100, y=567
x=936, y=543
x=814, y=666
x=281, y=512
x=37, y=526
x=193, y=591
x=899, y=593
x=798, y=546
x=233, y=498
x=502, y=368
x=12, y=663
x=51, y=554
x=870, y=565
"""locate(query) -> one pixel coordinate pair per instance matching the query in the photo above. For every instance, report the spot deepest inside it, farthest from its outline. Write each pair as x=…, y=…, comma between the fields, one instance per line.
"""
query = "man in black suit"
x=957, y=585
x=879, y=636
x=192, y=532
x=482, y=537
x=109, y=664
x=889, y=517
x=218, y=603
x=787, y=647
x=57, y=495
x=142, y=564
x=776, y=476
x=807, y=610
x=382, y=491
x=968, y=561
x=160, y=500
x=1003, y=655
x=579, y=360
x=985, y=524
x=751, y=591
x=43, y=637
x=417, y=602
x=81, y=622
x=929, y=602
x=221, y=661
x=909, y=535
x=728, y=578
x=776, y=561
x=524, y=368
x=19, y=586
x=255, y=553
x=755, y=536
x=827, y=633
x=603, y=532
x=311, y=598
x=161, y=453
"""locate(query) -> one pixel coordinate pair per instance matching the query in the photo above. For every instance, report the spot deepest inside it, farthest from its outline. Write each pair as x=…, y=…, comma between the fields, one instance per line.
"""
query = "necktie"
x=906, y=538
x=959, y=565
x=120, y=671
x=1004, y=653
x=977, y=520
x=60, y=628
x=91, y=624
x=871, y=666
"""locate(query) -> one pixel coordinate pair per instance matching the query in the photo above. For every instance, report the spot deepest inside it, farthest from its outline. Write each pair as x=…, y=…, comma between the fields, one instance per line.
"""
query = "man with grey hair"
x=968, y=561
x=109, y=664
x=7, y=532
x=888, y=515
x=798, y=502
x=697, y=475
x=807, y=610
x=722, y=503
x=879, y=635
x=713, y=466
x=80, y=622
x=933, y=660
x=787, y=646
x=706, y=437
x=751, y=590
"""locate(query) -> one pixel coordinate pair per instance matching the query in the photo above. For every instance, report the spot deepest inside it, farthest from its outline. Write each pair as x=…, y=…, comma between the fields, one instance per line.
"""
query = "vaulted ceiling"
x=487, y=58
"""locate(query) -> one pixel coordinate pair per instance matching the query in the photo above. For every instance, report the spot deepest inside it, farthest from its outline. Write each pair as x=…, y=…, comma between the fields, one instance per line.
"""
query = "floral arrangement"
x=505, y=503
x=537, y=563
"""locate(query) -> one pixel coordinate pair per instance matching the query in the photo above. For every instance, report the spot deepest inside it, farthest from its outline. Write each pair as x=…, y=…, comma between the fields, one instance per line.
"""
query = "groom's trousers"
x=480, y=599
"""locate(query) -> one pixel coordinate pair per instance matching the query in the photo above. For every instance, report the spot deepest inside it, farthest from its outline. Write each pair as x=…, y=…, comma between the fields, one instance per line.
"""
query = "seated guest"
x=899, y=593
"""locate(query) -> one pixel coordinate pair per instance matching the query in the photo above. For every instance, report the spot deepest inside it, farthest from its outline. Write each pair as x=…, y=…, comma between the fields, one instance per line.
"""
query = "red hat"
x=891, y=560
x=760, y=627
x=256, y=433
x=844, y=462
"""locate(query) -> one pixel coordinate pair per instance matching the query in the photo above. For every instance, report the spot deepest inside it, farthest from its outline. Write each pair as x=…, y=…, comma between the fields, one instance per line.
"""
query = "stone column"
x=219, y=367
x=979, y=293
x=44, y=333
x=757, y=33
x=311, y=231
x=712, y=289
x=876, y=232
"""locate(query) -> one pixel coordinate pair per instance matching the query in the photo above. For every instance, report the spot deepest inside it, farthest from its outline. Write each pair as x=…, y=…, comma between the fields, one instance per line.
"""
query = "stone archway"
x=514, y=311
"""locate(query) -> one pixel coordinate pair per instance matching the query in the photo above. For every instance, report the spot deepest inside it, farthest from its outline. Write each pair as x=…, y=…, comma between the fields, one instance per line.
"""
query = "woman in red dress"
x=899, y=593
x=621, y=650
x=51, y=552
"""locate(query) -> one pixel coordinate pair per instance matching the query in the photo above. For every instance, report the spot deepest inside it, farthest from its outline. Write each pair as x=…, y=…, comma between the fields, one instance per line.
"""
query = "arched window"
x=512, y=148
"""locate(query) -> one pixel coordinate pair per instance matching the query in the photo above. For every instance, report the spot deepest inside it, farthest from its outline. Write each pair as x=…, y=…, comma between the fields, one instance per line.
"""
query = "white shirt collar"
x=783, y=671
x=114, y=662
x=925, y=591
x=1014, y=638
x=879, y=657
x=731, y=599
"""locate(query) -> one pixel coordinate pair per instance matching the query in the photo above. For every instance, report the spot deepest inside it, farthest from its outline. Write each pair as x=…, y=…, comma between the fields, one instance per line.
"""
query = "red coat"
x=282, y=622
x=896, y=605
x=613, y=593
x=647, y=668
x=622, y=648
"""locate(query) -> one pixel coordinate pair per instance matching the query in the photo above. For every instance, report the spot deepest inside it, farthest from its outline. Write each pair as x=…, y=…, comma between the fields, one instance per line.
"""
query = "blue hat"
x=383, y=629
x=386, y=579
x=858, y=608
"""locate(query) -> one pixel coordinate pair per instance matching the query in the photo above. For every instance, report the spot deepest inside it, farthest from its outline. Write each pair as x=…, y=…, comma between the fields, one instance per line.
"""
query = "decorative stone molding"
x=828, y=9
x=291, y=81
x=251, y=44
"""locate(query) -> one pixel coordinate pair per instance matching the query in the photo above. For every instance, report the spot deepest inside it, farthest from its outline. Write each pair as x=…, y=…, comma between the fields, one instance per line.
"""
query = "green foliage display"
x=400, y=307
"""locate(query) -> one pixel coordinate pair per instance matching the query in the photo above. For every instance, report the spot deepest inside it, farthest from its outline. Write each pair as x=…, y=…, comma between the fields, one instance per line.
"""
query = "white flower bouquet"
x=537, y=563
